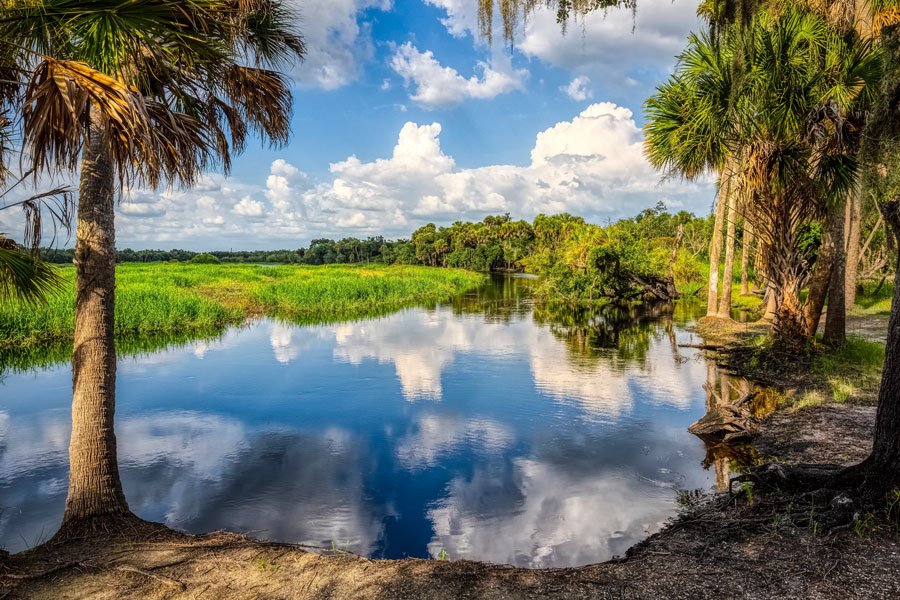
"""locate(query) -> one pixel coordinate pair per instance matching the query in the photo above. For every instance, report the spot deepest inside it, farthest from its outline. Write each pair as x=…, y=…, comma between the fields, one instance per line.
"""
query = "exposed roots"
x=111, y=526
x=836, y=495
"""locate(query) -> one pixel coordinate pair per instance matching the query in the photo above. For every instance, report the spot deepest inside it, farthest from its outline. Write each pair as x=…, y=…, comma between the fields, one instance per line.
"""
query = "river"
x=485, y=428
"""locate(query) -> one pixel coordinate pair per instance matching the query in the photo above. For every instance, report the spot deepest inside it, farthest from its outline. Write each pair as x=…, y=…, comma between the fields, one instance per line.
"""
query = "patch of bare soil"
x=831, y=433
x=872, y=328
x=718, y=552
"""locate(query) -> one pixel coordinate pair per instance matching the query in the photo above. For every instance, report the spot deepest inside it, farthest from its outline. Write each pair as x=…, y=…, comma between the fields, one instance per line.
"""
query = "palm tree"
x=790, y=113
x=688, y=129
x=135, y=92
x=724, y=311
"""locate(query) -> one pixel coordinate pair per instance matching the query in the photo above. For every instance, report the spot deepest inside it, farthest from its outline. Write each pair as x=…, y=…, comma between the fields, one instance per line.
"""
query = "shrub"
x=205, y=259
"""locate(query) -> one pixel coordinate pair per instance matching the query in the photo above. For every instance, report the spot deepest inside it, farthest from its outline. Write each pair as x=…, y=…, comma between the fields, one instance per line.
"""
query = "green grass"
x=872, y=300
x=164, y=297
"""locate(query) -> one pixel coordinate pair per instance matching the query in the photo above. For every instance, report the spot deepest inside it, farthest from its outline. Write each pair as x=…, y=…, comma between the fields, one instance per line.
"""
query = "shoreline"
x=722, y=546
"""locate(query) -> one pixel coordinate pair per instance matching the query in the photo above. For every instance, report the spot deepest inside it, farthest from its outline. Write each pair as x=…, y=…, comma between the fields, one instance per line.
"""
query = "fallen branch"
x=702, y=347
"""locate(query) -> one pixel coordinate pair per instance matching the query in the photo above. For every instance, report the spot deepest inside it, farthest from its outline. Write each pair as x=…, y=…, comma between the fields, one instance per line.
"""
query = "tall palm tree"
x=789, y=118
x=134, y=92
x=689, y=127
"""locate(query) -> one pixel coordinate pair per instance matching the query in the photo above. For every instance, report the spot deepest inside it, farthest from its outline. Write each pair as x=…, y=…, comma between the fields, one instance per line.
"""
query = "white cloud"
x=591, y=165
x=284, y=187
x=607, y=43
x=248, y=207
x=336, y=42
x=462, y=15
x=439, y=86
x=578, y=88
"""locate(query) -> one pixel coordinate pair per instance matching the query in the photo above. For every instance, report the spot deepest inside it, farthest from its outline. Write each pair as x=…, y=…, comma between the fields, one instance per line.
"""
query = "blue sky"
x=403, y=116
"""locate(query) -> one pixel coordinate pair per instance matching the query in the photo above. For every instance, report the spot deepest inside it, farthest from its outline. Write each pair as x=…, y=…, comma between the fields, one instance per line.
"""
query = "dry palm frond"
x=885, y=18
x=262, y=97
x=57, y=111
x=144, y=138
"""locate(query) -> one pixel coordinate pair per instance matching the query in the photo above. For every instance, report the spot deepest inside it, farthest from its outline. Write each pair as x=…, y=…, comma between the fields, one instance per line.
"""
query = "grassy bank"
x=166, y=297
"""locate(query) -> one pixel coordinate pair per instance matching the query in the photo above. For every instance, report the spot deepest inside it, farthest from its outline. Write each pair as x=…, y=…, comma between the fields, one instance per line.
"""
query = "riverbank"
x=746, y=545
x=728, y=548
x=153, y=298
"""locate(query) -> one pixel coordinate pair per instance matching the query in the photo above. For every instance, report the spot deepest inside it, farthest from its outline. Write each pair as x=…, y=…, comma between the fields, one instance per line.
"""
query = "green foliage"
x=162, y=297
x=856, y=353
x=205, y=259
x=25, y=279
x=747, y=488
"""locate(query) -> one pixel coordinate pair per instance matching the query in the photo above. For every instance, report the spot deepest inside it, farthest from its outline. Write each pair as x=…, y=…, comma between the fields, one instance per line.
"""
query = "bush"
x=688, y=269
x=205, y=259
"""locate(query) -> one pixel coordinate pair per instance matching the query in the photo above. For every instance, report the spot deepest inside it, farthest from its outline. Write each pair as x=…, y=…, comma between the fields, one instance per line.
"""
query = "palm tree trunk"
x=836, y=316
x=715, y=250
x=728, y=272
x=821, y=275
x=853, y=234
x=745, y=258
x=94, y=485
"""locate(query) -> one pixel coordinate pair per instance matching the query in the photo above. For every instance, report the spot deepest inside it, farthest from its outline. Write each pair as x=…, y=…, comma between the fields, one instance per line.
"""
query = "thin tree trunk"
x=728, y=272
x=853, y=234
x=836, y=316
x=715, y=248
x=745, y=258
x=94, y=486
x=821, y=275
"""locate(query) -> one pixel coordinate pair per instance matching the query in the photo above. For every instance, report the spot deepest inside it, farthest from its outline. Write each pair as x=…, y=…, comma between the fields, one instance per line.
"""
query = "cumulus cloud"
x=439, y=86
x=462, y=15
x=337, y=44
x=591, y=165
x=608, y=43
x=248, y=207
x=578, y=88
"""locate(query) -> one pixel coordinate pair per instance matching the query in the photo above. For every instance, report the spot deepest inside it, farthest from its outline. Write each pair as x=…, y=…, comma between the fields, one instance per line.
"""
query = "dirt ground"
x=872, y=328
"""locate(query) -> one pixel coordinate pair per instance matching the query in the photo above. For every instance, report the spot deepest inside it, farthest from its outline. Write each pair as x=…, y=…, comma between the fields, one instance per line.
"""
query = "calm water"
x=484, y=427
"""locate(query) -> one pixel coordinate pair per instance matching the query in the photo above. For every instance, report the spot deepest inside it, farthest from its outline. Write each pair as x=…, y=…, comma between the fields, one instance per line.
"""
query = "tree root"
x=117, y=525
x=77, y=564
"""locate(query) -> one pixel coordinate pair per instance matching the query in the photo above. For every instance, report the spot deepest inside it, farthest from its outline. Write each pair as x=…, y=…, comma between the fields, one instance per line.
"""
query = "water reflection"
x=486, y=427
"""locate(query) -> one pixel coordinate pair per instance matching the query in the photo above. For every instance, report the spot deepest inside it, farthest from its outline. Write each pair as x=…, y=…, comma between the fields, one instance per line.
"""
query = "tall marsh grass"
x=165, y=297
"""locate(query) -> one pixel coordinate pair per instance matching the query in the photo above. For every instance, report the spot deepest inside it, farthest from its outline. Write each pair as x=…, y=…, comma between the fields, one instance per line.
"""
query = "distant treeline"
x=655, y=251
x=320, y=252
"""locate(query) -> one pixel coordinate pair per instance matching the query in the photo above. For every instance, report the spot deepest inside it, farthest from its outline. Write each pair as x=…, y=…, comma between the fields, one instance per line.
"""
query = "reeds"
x=165, y=297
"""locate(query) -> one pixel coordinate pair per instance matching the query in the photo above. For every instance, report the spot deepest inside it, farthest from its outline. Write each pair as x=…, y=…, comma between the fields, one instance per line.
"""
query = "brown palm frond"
x=146, y=139
x=176, y=147
x=263, y=98
x=56, y=114
x=885, y=18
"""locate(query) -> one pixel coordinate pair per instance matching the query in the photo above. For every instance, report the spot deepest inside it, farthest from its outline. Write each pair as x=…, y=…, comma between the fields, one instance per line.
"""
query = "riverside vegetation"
x=162, y=297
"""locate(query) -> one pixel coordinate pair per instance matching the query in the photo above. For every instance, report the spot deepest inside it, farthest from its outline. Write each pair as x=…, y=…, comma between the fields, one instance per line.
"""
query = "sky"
x=404, y=115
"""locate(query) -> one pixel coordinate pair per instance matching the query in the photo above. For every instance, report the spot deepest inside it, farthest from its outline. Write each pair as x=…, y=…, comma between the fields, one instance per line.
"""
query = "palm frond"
x=24, y=278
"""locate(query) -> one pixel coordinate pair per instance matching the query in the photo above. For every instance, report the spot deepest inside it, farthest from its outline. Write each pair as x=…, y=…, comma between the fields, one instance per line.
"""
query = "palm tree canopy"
x=792, y=114
x=179, y=84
